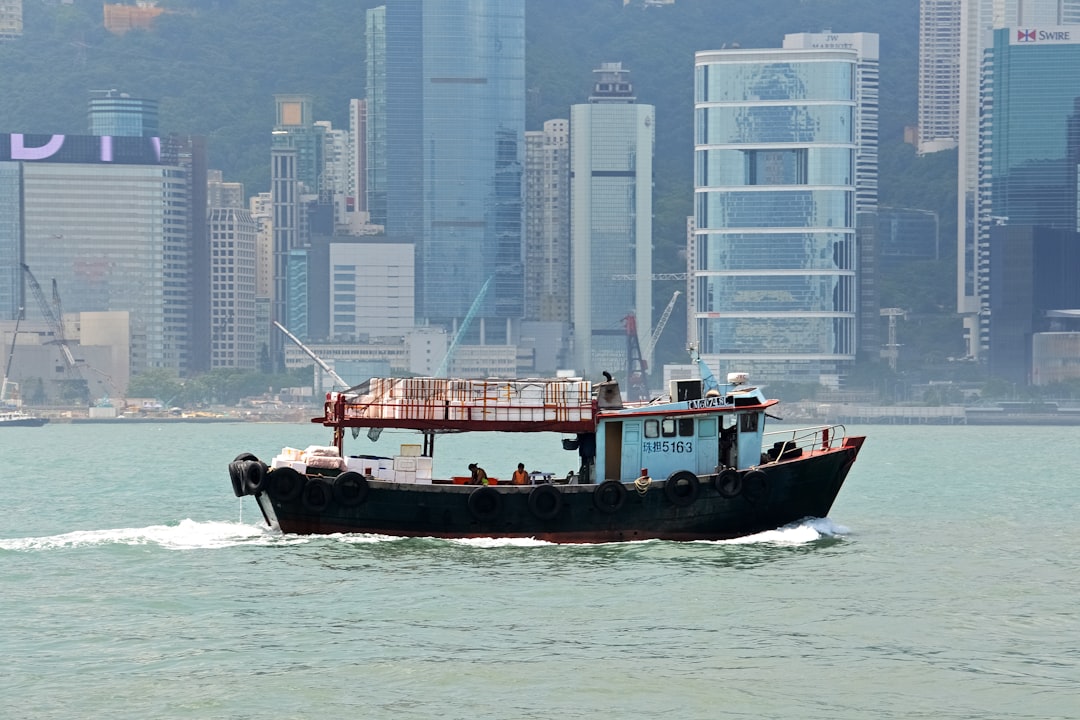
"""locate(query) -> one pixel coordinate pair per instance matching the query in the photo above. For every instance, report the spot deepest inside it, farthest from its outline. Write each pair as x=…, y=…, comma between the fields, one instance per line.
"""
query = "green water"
x=134, y=585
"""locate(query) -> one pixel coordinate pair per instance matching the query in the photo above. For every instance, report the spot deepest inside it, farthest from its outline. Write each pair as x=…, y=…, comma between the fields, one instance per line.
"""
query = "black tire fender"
x=545, y=502
x=236, y=479
x=755, y=487
x=728, y=483
x=254, y=475
x=317, y=494
x=350, y=488
x=609, y=496
x=285, y=484
x=485, y=503
x=682, y=488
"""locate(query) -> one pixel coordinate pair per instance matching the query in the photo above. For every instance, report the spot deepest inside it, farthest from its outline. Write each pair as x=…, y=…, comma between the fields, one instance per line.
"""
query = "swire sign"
x=1067, y=35
x=95, y=149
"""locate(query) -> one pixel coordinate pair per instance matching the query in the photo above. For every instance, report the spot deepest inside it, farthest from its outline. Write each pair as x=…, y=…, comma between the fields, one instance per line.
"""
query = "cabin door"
x=631, y=450
x=613, y=445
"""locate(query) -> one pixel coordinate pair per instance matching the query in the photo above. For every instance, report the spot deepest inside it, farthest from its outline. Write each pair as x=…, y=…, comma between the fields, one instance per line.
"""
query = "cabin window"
x=706, y=427
x=667, y=427
x=748, y=422
x=652, y=428
x=686, y=427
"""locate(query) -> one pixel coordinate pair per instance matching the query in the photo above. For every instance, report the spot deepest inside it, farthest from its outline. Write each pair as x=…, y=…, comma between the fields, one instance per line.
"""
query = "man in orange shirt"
x=520, y=477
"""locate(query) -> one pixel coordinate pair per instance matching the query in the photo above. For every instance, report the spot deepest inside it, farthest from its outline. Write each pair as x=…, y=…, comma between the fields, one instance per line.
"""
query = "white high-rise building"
x=611, y=156
x=775, y=235
x=233, y=235
x=865, y=46
x=547, y=222
x=939, y=75
x=11, y=19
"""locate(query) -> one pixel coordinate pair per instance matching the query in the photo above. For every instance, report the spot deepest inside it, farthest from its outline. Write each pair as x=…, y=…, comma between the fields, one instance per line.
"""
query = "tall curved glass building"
x=774, y=211
x=455, y=140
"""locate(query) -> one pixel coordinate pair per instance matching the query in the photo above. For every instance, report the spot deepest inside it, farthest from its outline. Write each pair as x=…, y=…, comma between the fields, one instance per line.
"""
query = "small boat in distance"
x=18, y=418
x=695, y=465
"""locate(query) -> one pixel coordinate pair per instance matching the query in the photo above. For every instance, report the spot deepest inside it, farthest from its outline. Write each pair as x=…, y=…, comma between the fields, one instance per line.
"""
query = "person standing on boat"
x=520, y=477
x=479, y=476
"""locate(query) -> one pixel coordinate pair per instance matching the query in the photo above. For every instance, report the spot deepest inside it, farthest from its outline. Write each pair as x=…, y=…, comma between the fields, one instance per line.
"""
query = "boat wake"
x=804, y=531
x=186, y=535
x=194, y=535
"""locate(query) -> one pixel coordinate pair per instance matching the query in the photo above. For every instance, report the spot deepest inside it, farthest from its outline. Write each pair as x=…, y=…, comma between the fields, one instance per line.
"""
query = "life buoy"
x=254, y=474
x=350, y=488
x=545, y=502
x=285, y=484
x=755, y=487
x=317, y=494
x=609, y=496
x=485, y=503
x=682, y=488
x=728, y=483
x=236, y=479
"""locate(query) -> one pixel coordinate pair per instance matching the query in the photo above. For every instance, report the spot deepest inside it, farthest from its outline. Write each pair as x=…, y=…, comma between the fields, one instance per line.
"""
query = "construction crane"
x=311, y=354
x=647, y=352
x=445, y=364
x=5, y=399
x=56, y=323
x=637, y=369
x=74, y=385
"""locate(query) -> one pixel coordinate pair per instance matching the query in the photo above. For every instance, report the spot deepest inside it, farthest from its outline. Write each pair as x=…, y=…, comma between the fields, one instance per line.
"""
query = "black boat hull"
x=699, y=509
x=25, y=422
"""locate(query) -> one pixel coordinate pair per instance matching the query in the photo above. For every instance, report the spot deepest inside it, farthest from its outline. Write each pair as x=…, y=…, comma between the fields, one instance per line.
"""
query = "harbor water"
x=133, y=584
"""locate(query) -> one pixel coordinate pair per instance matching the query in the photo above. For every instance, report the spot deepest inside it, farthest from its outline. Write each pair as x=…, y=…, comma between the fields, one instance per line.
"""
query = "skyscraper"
x=296, y=164
x=106, y=220
x=455, y=123
x=865, y=46
x=547, y=223
x=775, y=211
x=11, y=23
x=939, y=75
x=979, y=18
x=1028, y=201
x=116, y=113
x=611, y=155
x=375, y=127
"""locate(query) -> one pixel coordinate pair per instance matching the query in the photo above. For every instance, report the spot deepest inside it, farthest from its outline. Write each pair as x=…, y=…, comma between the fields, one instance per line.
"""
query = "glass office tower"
x=1030, y=156
x=116, y=113
x=455, y=125
x=106, y=220
x=775, y=211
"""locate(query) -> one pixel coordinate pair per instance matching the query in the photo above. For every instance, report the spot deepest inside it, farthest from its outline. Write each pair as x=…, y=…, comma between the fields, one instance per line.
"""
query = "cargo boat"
x=696, y=464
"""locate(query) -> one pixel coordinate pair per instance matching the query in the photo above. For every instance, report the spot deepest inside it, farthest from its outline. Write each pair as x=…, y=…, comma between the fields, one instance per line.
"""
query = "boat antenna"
x=708, y=381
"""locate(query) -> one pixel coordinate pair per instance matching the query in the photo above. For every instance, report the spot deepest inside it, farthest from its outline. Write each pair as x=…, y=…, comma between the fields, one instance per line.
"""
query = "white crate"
x=404, y=463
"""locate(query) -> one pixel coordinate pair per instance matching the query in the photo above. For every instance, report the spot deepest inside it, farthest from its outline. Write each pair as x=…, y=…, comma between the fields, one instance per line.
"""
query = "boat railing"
x=466, y=401
x=788, y=444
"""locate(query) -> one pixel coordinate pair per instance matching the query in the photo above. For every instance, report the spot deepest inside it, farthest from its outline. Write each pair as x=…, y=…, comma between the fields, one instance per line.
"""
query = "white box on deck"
x=402, y=462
